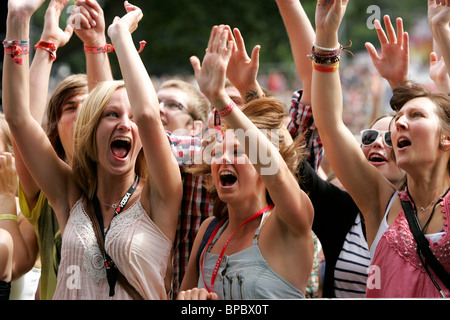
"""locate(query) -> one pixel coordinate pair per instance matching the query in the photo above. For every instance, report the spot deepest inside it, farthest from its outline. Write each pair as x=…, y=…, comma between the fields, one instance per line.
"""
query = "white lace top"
x=137, y=246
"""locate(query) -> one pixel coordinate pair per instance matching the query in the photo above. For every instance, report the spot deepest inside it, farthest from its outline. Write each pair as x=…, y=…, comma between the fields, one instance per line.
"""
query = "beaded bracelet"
x=224, y=112
x=8, y=217
x=325, y=60
x=327, y=49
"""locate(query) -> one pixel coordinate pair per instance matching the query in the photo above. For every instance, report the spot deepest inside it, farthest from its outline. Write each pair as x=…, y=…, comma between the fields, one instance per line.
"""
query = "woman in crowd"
x=420, y=136
x=262, y=246
x=108, y=161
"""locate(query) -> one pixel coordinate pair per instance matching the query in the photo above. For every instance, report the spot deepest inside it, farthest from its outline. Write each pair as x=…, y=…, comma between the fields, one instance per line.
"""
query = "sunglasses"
x=369, y=136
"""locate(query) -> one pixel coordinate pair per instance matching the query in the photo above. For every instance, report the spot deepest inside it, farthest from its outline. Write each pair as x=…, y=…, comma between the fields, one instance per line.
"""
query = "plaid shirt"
x=195, y=205
x=302, y=122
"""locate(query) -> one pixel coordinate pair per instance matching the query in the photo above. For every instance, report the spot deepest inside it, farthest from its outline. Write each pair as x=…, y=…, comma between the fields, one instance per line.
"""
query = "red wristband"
x=47, y=46
x=227, y=110
x=16, y=48
x=109, y=48
x=106, y=48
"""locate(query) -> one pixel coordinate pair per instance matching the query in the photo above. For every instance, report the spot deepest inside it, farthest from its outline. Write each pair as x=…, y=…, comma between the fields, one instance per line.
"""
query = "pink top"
x=134, y=242
x=396, y=270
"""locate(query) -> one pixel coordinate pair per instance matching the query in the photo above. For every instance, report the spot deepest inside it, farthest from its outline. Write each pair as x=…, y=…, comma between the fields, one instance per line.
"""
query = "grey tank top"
x=246, y=274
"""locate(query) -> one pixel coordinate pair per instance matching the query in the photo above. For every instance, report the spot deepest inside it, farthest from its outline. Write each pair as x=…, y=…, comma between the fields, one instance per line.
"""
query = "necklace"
x=433, y=202
x=114, y=205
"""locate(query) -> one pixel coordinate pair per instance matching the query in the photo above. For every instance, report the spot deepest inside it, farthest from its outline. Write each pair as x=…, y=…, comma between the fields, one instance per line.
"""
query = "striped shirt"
x=352, y=265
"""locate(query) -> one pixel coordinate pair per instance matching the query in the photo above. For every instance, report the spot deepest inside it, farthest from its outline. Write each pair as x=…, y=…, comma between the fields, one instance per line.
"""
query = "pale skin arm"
x=50, y=173
x=188, y=288
x=439, y=18
x=89, y=25
x=164, y=174
x=369, y=189
x=301, y=37
x=25, y=248
x=39, y=81
x=296, y=214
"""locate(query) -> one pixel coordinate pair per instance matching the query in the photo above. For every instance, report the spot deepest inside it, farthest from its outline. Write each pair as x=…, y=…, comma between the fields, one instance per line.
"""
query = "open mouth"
x=120, y=147
x=377, y=158
x=403, y=142
x=227, y=179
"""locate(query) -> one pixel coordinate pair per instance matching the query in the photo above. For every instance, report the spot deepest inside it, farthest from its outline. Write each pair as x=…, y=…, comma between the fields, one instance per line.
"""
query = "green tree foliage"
x=176, y=29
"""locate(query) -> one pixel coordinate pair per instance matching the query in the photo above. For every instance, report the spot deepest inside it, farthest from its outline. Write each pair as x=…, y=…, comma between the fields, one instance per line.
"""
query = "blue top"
x=246, y=274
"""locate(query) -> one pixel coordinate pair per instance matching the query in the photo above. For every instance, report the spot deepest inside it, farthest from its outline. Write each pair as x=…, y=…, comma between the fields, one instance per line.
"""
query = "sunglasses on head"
x=369, y=136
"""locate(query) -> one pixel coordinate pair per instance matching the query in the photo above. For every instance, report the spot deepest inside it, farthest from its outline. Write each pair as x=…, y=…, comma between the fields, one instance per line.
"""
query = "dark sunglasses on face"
x=369, y=136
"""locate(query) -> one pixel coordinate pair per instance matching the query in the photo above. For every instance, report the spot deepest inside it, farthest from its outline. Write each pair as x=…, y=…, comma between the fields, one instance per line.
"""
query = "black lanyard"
x=110, y=266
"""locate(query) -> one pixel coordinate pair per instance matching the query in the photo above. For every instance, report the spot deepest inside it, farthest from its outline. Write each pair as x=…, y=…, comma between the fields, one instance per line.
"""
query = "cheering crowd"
x=117, y=189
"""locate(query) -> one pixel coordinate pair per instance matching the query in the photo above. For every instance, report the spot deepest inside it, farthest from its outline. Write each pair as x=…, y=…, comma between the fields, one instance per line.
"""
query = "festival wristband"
x=325, y=69
x=8, y=217
x=109, y=48
x=106, y=48
x=47, y=46
x=224, y=112
x=15, y=48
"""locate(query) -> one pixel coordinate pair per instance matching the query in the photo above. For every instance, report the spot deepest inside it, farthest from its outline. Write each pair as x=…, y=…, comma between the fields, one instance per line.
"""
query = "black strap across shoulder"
x=424, y=247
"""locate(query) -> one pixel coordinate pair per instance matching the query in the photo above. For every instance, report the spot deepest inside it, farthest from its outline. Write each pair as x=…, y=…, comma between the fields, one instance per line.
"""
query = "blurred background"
x=177, y=29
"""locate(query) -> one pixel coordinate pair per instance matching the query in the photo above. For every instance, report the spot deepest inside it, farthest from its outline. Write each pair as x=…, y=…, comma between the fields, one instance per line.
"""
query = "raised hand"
x=329, y=14
x=439, y=74
x=438, y=13
x=130, y=20
x=24, y=7
x=242, y=70
x=393, y=64
x=211, y=73
x=52, y=32
x=88, y=21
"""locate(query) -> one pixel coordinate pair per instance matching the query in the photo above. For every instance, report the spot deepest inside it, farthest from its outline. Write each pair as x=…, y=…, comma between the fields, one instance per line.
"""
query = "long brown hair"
x=66, y=89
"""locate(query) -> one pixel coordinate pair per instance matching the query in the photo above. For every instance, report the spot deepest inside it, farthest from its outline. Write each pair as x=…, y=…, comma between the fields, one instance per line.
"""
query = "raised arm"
x=301, y=37
x=52, y=37
x=24, y=249
x=439, y=18
x=88, y=21
x=366, y=185
x=279, y=181
x=47, y=169
x=393, y=64
x=164, y=174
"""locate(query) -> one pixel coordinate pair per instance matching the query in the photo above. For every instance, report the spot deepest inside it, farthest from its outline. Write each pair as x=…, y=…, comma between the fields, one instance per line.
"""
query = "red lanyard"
x=219, y=260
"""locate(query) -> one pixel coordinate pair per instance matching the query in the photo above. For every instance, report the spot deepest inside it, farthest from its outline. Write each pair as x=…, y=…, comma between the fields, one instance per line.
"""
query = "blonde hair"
x=84, y=166
x=266, y=114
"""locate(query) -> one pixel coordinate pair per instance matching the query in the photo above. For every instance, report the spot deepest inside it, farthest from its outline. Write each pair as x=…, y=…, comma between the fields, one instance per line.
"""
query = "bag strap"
x=209, y=230
x=424, y=247
x=101, y=243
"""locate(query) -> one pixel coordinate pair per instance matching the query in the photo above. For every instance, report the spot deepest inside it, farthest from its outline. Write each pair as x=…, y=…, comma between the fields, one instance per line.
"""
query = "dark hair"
x=66, y=89
x=405, y=93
